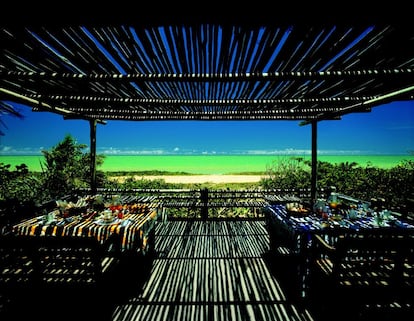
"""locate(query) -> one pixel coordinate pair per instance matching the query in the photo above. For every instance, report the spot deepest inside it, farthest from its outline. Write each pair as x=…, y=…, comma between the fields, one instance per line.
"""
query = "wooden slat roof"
x=205, y=65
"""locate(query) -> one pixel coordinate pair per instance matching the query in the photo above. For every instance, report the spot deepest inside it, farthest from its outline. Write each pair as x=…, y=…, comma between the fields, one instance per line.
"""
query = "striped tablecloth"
x=132, y=231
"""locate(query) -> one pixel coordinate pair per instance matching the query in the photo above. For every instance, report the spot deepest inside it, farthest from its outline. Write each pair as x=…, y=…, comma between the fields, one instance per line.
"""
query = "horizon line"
x=234, y=154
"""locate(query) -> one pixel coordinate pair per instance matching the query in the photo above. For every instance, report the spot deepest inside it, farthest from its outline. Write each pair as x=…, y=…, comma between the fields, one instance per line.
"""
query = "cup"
x=378, y=219
x=386, y=214
x=107, y=215
x=352, y=214
x=50, y=217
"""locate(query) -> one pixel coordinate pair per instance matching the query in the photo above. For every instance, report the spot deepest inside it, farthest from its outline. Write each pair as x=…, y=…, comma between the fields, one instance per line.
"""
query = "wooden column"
x=92, y=126
x=314, y=183
x=204, y=202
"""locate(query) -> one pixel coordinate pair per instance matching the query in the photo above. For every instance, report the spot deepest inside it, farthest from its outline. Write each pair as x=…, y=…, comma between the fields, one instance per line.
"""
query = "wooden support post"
x=314, y=183
x=204, y=202
x=92, y=125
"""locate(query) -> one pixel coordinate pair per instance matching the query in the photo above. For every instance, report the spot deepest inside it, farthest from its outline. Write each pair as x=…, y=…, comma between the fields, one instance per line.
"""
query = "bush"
x=19, y=184
x=290, y=173
x=395, y=185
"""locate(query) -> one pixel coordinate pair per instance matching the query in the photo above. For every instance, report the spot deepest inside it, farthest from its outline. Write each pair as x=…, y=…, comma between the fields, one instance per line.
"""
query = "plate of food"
x=296, y=209
x=103, y=221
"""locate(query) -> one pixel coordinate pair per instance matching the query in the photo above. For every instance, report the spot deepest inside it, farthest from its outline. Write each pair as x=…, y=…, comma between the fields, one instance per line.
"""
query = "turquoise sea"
x=208, y=164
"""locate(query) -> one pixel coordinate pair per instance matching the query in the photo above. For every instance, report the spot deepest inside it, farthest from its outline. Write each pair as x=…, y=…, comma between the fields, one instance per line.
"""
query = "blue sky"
x=387, y=129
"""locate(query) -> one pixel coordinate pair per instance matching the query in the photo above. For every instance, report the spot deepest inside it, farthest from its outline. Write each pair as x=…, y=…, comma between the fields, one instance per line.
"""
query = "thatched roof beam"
x=255, y=76
x=200, y=102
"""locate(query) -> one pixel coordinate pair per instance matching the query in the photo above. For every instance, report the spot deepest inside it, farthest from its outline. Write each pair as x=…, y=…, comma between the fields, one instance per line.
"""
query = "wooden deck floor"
x=200, y=271
x=212, y=270
x=218, y=270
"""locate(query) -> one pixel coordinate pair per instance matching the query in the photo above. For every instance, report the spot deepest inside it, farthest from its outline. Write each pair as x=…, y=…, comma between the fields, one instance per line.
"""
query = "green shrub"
x=395, y=185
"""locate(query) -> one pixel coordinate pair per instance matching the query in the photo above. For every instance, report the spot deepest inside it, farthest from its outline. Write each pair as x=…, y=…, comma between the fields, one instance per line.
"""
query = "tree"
x=7, y=109
x=67, y=167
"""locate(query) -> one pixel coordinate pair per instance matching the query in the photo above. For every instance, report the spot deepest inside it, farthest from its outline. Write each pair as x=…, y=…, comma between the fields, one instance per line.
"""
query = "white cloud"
x=10, y=150
x=5, y=149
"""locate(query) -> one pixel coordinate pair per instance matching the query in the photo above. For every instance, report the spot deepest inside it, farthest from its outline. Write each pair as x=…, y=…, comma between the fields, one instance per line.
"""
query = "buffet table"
x=294, y=230
x=310, y=222
x=131, y=231
x=291, y=233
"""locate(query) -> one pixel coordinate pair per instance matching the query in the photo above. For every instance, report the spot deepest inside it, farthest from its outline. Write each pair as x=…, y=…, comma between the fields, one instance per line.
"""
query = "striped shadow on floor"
x=210, y=270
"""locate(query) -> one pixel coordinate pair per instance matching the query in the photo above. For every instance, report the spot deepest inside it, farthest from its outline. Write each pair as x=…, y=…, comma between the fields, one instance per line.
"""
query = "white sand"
x=187, y=179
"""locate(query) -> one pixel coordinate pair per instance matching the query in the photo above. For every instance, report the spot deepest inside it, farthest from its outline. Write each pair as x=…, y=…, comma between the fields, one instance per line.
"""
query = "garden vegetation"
x=66, y=167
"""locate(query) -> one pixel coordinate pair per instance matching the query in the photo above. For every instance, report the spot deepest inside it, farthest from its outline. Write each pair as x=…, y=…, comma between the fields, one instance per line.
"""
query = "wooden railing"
x=203, y=201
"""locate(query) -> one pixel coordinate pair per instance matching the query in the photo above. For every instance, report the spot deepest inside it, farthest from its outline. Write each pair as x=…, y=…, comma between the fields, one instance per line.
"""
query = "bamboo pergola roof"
x=252, y=64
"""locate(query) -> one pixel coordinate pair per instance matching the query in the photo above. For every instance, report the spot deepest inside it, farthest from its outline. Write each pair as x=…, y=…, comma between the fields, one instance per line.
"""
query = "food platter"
x=102, y=221
x=298, y=212
x=296, y=209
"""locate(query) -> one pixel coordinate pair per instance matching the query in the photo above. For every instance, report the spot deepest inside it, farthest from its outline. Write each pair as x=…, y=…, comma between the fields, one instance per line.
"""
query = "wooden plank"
x=215, y=271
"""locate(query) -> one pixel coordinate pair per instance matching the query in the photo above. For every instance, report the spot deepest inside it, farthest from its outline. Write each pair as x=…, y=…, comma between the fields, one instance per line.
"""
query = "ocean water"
x=208, y=164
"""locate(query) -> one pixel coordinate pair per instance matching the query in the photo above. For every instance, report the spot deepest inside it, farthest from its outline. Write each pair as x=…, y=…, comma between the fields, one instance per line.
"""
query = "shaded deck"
x=200, y=270
x=210, y=270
